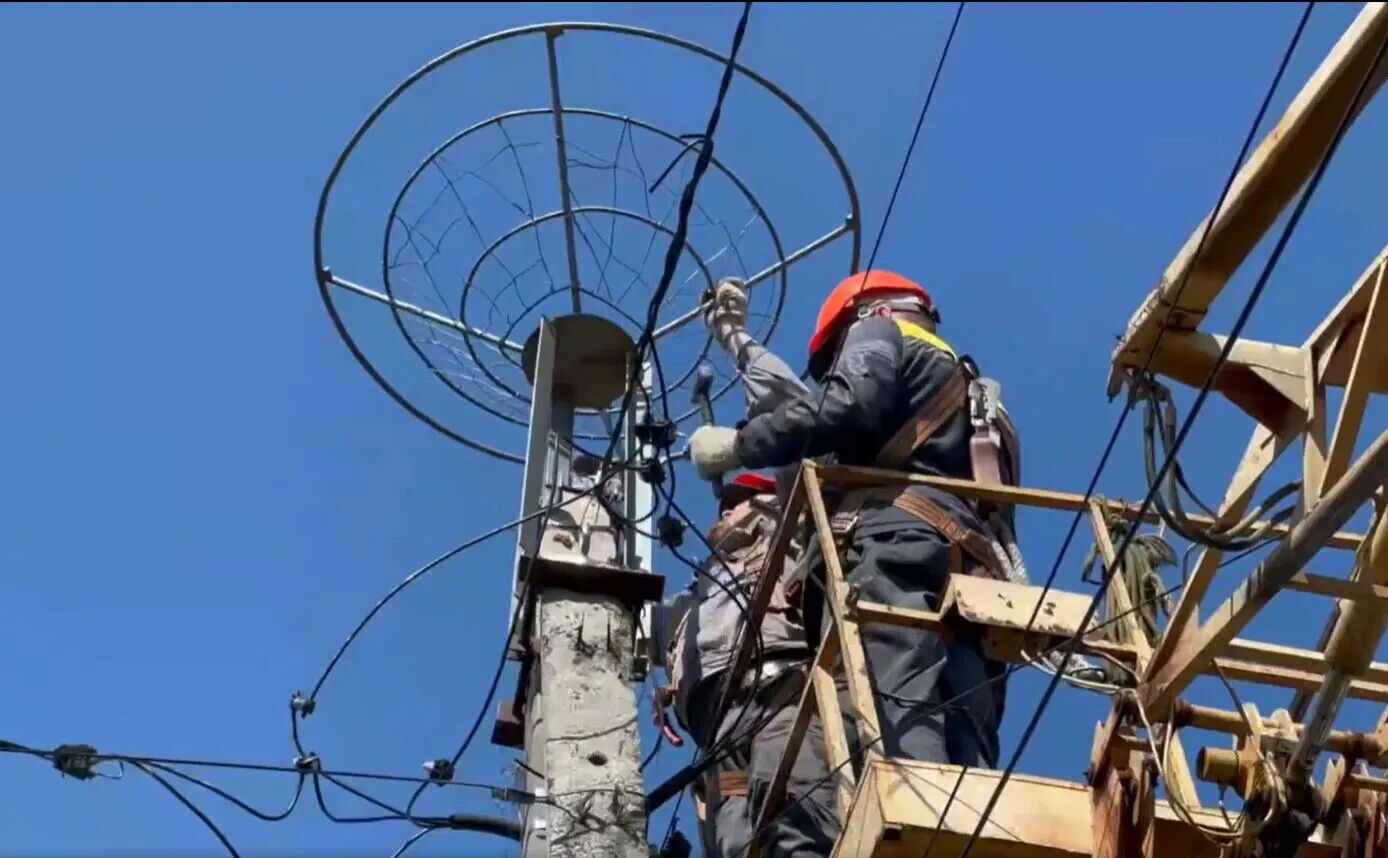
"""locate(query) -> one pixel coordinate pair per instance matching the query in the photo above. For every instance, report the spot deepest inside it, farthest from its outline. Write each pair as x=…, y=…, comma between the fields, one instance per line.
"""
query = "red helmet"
x=838, y=308
x=744, y=486
x=756, y=482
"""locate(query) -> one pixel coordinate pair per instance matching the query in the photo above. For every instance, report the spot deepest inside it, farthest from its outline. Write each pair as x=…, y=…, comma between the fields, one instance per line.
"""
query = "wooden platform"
x=896, y=814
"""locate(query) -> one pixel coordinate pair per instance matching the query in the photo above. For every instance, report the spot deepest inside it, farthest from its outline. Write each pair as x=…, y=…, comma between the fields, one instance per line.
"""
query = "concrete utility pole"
x=583, y=599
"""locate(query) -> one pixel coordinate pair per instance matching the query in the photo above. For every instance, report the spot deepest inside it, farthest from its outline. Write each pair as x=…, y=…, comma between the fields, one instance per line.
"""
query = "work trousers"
x=938, y=700
x=761, y=719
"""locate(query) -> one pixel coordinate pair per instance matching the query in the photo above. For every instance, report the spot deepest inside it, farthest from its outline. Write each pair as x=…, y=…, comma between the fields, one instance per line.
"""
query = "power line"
x=1254, y=294
x=426, y=568
x=1128, y=405
x=946, y=704
x=678, y=238
x=14, y=748
x=725, y=695
x=183, y=800
x=1055, y=678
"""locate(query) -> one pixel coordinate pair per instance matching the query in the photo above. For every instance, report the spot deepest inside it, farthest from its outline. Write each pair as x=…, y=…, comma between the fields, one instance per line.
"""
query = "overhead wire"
x=671, y=263
x=197, y=811
x=1245, y=313
x=857, y=755
x=423, y=570
x=644, y=341
x=686, y=203
x=725, y=696
x=1129, y=403
x=152, y=768
x=1114, y=436
x=517, y=614
x=15, y=748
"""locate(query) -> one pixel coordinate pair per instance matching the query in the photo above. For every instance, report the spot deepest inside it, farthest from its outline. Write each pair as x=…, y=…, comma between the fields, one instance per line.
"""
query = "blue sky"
x=204, y=492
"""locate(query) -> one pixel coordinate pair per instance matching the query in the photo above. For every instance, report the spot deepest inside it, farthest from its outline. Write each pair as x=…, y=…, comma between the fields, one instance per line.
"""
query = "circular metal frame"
x=467, y=285
x=323, y=274
x=497, y=120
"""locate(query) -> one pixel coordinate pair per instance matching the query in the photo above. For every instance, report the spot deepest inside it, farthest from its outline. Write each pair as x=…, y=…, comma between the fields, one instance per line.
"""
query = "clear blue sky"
x=203, y=492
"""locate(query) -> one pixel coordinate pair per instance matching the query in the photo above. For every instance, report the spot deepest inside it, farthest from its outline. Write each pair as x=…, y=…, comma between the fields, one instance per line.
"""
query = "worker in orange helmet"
x=699, y=632
x=896, y=395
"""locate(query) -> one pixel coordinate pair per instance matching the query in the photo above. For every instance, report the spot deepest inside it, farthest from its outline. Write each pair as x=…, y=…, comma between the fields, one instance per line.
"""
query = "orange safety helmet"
x=838, y=308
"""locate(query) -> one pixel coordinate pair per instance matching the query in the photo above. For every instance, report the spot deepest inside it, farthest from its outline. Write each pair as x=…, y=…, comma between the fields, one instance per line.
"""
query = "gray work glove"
x=713, y=449
x=727, y=314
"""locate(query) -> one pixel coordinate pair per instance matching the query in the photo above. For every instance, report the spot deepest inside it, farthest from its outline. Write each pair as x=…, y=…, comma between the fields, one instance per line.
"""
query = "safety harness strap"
x=939, y=411
x=731, y=784
x=972, y=542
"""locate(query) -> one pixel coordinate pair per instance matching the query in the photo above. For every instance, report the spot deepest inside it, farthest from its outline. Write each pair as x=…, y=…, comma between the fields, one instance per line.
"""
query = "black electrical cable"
x=674, y=820
x=216, y=790
x=522, y=598
x=946, y=704
x=413, y=838
x=1175, y=301
x=1254, y=294
x=415, y=575
x=686, y=203
x=395, y=814
x=672, y=785
x=740, y=600
x=516, y=617
x=872, y=257
x=184, y=800
x=1159, y=425
x=13, y=748
x=1151, y=356
x=467, y=822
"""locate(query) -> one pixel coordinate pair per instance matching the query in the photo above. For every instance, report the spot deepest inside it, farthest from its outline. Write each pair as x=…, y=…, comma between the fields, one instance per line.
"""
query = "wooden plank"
x=1369, y=355
x=1330, y=333
x=1040, y=498
x=1339, y=588
x=836, y=599
x=804, y=711
x=1263, y=379
x=1130, y=631
x=1008, y=649
x=1114, y=834
x=865, y=828
x=1263, y=186
x=1299, y=680
x=1286, y=559
x=1264, y=446
x=900, y=811
x=1265, y=664
x=835, y=736
x=1313, y=452
x=1294, y=658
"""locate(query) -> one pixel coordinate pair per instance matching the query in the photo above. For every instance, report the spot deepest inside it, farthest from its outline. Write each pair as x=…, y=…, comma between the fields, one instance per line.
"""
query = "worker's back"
x=705, y=637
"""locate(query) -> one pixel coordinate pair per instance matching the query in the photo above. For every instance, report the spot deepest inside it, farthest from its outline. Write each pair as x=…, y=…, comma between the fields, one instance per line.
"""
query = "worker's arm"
x=767, y=381
x=856, y=403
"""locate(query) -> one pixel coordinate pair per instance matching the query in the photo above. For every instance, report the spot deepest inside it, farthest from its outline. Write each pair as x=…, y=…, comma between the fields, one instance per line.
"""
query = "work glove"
x=713, y=449
x=727, y=313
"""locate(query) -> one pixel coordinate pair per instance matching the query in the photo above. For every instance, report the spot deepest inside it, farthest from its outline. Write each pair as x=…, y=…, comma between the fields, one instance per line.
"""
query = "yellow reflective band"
x=910, y=329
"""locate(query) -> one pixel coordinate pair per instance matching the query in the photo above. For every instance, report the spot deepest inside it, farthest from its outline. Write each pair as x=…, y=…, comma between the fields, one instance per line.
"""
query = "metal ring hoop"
x=536, y=220
x=323, y=274
x=487, y=253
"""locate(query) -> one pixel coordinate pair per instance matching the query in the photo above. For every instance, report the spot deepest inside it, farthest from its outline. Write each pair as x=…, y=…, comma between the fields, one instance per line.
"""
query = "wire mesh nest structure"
x=542, y=211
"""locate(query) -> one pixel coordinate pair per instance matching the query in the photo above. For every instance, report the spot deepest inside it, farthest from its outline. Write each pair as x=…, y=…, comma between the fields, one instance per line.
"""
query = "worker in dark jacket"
x=705, y=621
x=897, y=396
